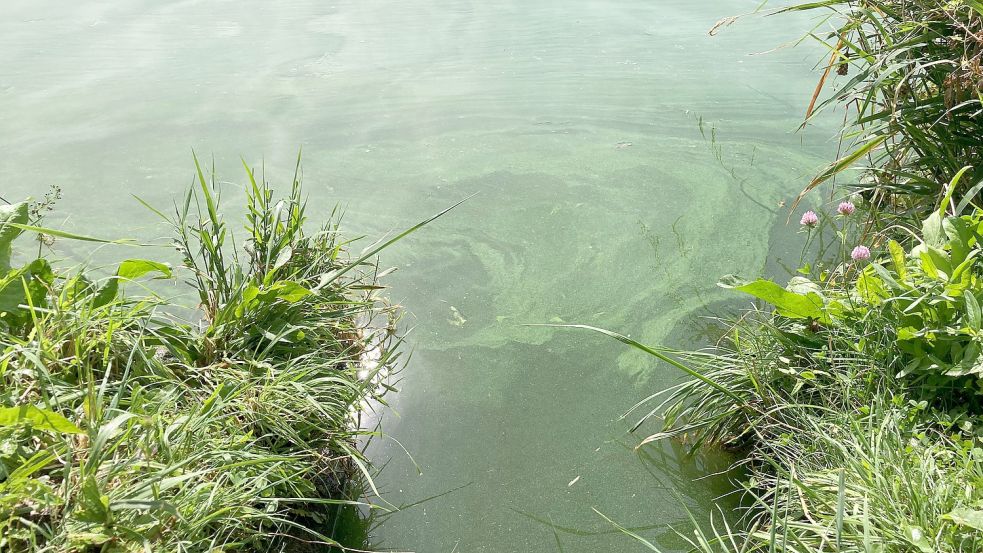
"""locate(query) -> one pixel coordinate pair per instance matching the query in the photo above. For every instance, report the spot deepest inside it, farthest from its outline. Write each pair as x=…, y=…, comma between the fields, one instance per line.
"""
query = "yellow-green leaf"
x=42, y=419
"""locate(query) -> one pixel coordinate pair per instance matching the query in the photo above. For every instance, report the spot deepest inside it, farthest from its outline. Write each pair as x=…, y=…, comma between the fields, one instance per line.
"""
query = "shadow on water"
x=353, y=526
x=675, y=471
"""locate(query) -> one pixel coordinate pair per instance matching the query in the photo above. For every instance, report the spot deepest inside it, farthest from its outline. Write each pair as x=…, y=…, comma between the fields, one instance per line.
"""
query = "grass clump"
x=853, y=403
x=853, y=399
x=125, y=426
x=912, y=88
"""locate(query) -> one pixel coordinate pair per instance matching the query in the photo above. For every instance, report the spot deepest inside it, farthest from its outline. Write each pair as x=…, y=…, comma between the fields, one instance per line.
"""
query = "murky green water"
x=599, y=201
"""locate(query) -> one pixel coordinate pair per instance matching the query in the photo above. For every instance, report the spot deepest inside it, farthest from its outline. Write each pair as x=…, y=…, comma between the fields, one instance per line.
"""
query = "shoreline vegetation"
x=853, y=394
x=128, y=424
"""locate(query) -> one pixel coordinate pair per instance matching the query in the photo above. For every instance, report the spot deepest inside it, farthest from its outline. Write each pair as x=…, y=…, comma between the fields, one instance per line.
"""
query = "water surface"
x=599, y=200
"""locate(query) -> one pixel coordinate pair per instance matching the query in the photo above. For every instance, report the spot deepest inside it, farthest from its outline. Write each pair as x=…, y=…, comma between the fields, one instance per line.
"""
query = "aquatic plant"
x=125, y=426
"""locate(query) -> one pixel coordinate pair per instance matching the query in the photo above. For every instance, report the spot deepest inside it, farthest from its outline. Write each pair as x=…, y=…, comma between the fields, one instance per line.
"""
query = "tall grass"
x=839, y=448
x=911, y=85
x=125, y=427
x=854, y=400
x=839, y=454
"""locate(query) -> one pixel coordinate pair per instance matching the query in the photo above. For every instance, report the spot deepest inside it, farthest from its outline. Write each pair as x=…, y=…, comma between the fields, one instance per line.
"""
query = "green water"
x=598, y=201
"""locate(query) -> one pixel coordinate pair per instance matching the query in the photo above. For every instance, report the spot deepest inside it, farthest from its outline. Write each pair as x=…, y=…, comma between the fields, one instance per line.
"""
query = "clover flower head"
x=809, y=219
x=846, y=208
x=860, y=253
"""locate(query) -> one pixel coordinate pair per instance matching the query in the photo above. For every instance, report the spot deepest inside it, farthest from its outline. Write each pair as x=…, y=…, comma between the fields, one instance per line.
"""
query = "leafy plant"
x=926, y=299
x=913, y=89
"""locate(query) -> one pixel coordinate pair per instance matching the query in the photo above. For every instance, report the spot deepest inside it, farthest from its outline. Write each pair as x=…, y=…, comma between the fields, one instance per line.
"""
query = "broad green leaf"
x=135, y=268
x=898, y=258
x=940, y=259
x=788, y=304
x=95, y=505
x=959, y=271
x=928, y=265
x=916, y=536
x=969, y=518
x=33, y=278
x=10, y=215
x=886, y=276
x=907, y=333
x=248, y=295
x=283, y=258
x=871, y=286
x=933, y=233
x=961, y=238
x=290, y=291
x=12, y=291
x=973, y=314
x=41, y=419
x=106, y=293
x=129, y=270
x=802, y=285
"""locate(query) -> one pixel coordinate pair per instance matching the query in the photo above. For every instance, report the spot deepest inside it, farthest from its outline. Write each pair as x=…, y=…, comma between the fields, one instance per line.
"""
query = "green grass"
x=838, y=453
x=127, y=427
x=911, y=82
x=853, y=399
x=854, y=404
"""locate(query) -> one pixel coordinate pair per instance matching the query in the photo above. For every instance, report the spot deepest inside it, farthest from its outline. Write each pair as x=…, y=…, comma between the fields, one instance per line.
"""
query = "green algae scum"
x=617, y=159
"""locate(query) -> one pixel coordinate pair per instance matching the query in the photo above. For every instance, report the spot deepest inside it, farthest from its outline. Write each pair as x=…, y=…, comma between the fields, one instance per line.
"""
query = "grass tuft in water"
x=133, y=423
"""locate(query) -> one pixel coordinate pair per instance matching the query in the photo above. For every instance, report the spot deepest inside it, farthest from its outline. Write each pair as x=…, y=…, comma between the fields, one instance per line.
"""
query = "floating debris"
x=458, y=319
